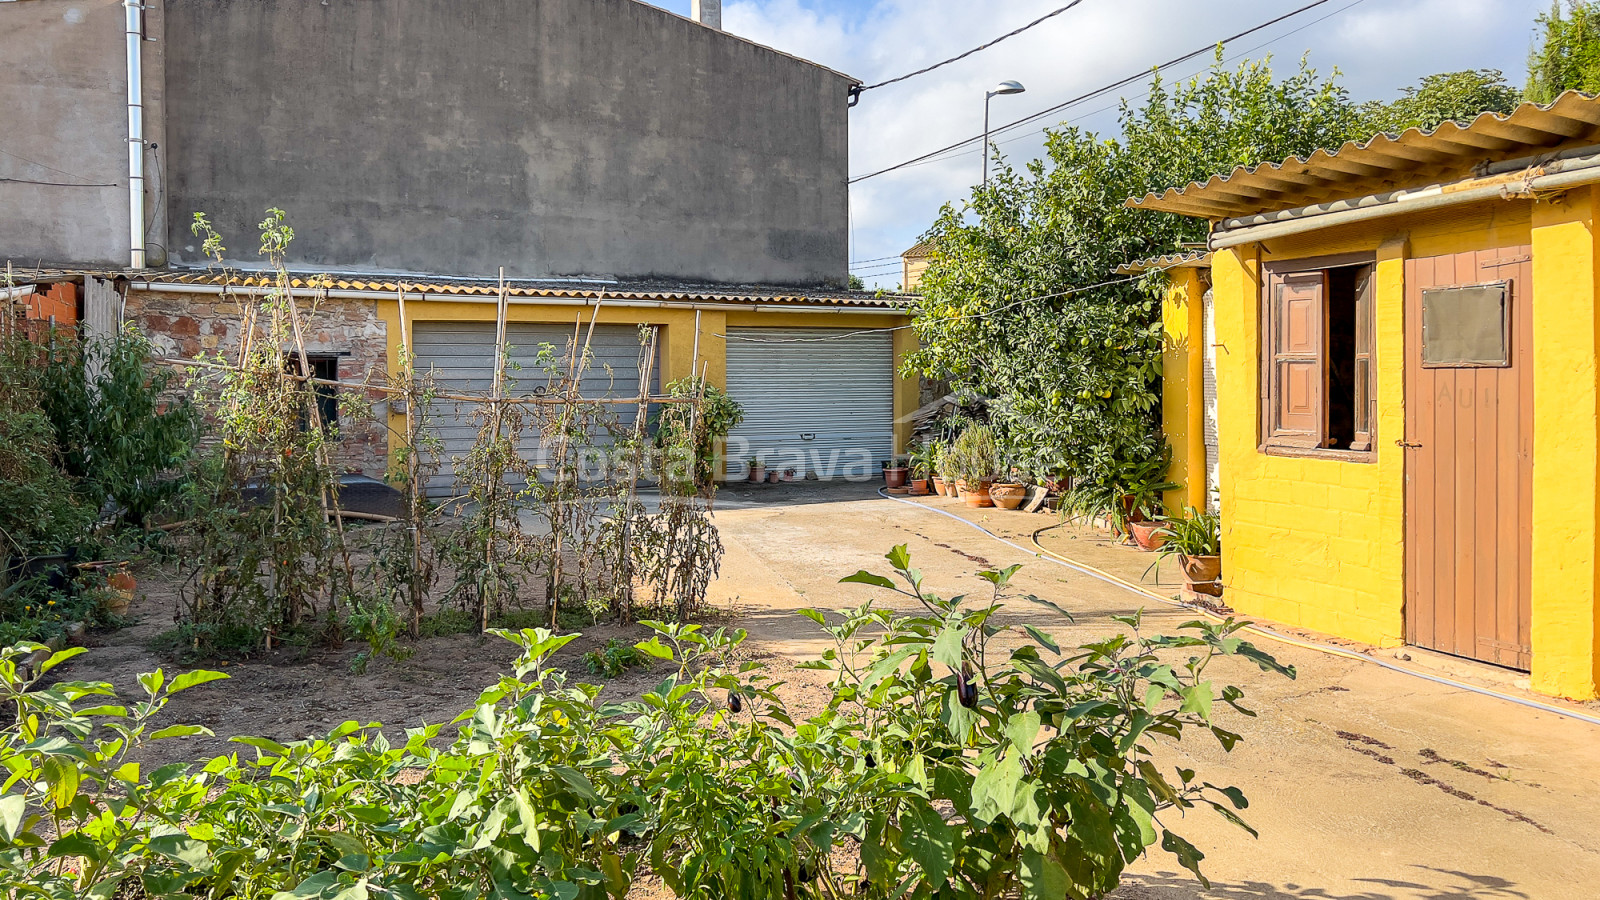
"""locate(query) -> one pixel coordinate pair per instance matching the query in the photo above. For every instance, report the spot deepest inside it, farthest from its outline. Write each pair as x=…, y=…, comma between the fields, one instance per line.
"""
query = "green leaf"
x=1023, y=730
x=174, y=731
x=929, y=840
x=1042, y=877
x=994, y=790
x=59, y=657
x=865, y=577
x=947, y=646
x=12, y=808
x=1189, y=856
x=266, y=745
x=194, y=679
x=899, y=557
x=655, y=648
x=311, y=887
x=1044, y=640
x=1197, y=699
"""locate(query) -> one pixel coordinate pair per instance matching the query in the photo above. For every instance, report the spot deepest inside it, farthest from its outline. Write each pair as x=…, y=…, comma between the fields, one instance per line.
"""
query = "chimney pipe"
x=707, y=12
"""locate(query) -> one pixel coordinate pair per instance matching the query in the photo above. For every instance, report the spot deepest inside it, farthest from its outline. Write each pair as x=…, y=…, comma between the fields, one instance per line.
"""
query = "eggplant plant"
x=1004, y=767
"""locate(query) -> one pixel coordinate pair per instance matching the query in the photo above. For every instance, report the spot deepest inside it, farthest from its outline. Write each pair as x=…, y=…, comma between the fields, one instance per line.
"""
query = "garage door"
x=460, y=356
x=820, y=400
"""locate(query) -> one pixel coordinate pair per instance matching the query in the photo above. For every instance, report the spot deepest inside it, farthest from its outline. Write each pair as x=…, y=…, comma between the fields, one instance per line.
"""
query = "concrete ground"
x=1365, y=784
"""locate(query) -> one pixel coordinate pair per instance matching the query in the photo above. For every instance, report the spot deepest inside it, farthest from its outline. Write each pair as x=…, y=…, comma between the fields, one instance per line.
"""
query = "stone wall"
x=187, y=326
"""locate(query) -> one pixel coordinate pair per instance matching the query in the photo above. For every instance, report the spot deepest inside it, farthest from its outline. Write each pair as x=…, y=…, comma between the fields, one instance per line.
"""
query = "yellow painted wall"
x=681, y=356
x=1182, y=388
x=1566, y=448
x=1320, y=543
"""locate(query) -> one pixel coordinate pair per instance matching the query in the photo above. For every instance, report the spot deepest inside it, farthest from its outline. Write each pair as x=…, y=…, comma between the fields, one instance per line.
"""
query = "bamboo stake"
x=413, y=468
x=491, y=486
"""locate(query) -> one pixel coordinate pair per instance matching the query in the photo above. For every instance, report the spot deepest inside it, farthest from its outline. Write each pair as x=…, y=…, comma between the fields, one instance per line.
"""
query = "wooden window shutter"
x=1299, y=335
x=1366, y=405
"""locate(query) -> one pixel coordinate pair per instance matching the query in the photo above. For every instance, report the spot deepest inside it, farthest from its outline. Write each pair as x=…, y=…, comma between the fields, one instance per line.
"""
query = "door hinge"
x=1406, y=443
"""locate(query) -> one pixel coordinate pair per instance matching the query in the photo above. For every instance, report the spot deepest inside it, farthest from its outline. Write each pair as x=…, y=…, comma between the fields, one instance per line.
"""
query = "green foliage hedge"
x=943, y=765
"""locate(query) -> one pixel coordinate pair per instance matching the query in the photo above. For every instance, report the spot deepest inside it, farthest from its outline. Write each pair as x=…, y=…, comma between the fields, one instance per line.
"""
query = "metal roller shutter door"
x=818, y=399
x=460, y=356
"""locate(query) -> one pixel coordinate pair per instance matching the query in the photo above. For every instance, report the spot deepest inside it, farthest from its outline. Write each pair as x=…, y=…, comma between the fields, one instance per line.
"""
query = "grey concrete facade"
x=63, y=133
x=552, y=137
x=555, y=138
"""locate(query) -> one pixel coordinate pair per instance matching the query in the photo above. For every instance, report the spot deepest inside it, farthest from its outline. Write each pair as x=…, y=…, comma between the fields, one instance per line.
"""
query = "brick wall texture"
x=187, y=326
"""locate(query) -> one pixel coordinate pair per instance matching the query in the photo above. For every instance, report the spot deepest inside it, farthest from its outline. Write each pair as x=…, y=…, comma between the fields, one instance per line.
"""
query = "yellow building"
x=1404, y=432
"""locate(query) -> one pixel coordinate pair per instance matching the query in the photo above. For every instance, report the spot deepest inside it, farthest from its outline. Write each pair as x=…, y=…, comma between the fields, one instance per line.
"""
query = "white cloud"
x=1378, y=45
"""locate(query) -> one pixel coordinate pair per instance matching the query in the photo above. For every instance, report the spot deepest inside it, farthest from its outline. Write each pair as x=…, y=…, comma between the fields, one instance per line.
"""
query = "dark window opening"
x=324, y=367
x=1342, y=289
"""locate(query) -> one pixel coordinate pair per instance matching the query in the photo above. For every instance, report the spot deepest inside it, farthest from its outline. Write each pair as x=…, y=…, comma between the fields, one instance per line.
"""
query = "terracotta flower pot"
x=976, y=494
x=122, y=586
x=772, y=478
x=1008, y=495
x=1147, y=535
x=758, y=474
x=919, y=487
x=939, y=485
x=895, y=476
x=1203, y=574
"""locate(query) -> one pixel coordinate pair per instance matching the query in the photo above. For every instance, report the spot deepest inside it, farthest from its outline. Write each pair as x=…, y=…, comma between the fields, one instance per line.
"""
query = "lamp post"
x=1004, y=87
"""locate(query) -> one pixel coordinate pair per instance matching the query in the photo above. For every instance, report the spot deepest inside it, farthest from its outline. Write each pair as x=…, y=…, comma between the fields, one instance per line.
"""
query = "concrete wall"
x=553, y=137
x=63, y=121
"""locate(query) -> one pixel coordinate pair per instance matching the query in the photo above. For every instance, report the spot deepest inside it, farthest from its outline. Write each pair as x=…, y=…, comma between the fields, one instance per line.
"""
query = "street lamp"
x=1004, y=87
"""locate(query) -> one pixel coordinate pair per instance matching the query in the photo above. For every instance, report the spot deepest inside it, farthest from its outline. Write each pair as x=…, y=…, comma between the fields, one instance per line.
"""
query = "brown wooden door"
x=1469, y=472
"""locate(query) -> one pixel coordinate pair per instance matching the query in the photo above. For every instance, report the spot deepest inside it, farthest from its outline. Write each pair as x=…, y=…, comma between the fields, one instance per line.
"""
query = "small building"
x=913, y=263
x=597, y=153
x=1404, y=431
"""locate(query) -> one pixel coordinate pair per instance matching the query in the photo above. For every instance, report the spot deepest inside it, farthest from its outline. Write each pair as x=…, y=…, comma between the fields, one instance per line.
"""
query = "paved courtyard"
x=1365, y=784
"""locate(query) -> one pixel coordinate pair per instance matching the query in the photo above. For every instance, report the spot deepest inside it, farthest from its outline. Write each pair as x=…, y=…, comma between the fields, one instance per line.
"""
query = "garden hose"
x=1267, y=633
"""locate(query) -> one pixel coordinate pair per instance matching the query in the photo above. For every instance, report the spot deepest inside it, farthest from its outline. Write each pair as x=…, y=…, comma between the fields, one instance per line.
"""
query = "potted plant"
x=973, y=459
x=894, y=473
x=1195, y=538
x=789, y=473
x=924, y=466
x=758, y=470
x=1008, y=492
x=1130, y=493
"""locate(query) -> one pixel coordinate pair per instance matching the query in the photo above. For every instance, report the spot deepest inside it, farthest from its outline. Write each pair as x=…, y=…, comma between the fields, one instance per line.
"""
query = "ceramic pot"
x=975, y=493
x=938, y=483
x=1147, y=535
x=1203, y=574
x=895, y=476
x=919, y=487
x=1008, y=495
x=758, y=473
x=772, y=478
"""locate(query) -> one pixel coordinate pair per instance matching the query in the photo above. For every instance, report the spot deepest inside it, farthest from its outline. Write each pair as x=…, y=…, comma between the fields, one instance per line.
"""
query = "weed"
x=615, y=658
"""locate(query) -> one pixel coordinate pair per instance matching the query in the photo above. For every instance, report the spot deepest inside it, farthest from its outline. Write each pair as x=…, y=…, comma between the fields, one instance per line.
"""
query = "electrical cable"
x=55, y=183
x=1094, y=93
x=1011, y=34
x=874, y=259
x=1231, y=59
x=1267, y=633
x=983, y=315
x=34, y=162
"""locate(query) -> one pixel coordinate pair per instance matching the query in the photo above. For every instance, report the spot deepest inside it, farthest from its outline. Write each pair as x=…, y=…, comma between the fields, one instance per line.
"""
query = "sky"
x=1378, y=46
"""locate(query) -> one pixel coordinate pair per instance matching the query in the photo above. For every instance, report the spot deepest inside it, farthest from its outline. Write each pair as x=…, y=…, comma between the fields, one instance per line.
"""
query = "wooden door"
x=1469, y=439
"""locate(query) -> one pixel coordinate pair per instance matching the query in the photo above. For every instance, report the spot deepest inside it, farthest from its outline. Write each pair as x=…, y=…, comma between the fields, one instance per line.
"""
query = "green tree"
x=1566, y=53
x=1016, y=305
x=1456, y=97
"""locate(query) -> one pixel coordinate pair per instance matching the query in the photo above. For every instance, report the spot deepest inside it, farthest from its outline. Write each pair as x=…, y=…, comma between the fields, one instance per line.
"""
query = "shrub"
x=941, y=766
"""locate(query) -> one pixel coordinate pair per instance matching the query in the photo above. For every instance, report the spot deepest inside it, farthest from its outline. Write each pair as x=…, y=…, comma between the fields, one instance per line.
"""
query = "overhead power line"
x=979, y=49
x=1123, y=82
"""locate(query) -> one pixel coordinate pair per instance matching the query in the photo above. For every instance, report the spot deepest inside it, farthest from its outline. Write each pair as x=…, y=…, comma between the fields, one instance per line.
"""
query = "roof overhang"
x=1193, y=259
x=586, y=291
x=1531, y=135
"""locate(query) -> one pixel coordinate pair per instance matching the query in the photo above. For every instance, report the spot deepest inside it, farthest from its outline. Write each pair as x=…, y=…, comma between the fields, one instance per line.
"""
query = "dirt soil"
x=1365, y=784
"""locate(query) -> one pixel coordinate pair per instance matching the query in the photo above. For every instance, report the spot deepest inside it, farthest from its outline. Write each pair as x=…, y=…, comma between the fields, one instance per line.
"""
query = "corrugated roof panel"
x=1388, y=161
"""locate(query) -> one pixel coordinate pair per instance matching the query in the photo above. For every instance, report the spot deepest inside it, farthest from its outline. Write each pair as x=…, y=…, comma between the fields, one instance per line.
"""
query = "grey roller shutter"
x=460, y=357
x=819, y=400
